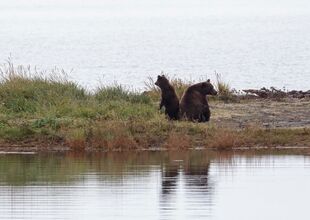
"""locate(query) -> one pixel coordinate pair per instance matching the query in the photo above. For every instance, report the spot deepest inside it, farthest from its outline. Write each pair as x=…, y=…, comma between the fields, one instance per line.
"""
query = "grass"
x=154, y=92
x=48, y=108
x=119, y=93
x=225, y=92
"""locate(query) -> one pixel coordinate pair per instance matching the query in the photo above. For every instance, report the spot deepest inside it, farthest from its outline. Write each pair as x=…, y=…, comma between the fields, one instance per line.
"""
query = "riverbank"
x=51, y=113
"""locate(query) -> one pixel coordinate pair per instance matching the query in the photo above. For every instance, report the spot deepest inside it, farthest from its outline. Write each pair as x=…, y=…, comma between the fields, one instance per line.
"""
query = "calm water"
x=252, y=43
x=154, y=185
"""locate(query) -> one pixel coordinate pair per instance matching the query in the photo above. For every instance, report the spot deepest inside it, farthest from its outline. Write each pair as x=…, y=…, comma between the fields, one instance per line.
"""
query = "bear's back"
x=194, y=104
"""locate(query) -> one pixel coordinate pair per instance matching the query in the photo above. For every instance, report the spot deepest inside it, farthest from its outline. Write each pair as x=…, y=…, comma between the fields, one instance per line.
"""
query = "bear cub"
x=194, y=104
x=169, y=98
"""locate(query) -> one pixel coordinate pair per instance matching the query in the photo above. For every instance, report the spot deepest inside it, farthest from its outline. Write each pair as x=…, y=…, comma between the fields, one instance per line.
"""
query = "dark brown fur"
x=194, y=104
x=169, y=99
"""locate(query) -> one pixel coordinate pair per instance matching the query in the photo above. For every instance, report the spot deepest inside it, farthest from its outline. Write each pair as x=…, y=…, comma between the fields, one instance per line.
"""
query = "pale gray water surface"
x=252, y=43
x=154, y=185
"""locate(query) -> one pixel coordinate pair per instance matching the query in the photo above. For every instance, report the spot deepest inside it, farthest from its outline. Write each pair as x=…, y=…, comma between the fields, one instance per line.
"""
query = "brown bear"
x=194, y=104
x=169, y=98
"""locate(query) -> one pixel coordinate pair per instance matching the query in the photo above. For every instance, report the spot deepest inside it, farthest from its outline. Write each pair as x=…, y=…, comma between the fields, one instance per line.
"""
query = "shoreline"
x=45, y=146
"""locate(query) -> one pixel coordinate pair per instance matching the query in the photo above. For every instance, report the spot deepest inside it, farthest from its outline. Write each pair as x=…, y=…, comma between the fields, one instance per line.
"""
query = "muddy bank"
x=47, y=146
x=35, y=145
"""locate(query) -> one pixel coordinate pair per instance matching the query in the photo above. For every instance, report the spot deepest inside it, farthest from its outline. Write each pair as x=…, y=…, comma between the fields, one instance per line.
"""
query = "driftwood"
x=276, y=93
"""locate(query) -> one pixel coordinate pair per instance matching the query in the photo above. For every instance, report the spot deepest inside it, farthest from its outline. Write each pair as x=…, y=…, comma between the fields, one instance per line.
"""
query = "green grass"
x=27, y=94
x=24, y=91
x=119, y=93
x=48, y=106
x=52, y=103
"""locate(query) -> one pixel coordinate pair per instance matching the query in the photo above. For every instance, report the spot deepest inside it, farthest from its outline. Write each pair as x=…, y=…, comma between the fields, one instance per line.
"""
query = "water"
x=251, y=43
x=154, y=185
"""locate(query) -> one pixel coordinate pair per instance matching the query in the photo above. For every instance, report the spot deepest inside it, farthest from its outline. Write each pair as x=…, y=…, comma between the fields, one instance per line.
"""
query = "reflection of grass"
x=48, y=108
x=49, y=169
x=21, y=169
x=116, y=166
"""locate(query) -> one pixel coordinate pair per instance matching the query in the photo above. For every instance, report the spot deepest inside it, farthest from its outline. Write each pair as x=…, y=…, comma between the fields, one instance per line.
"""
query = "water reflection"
x=152, y=185
x=191, y=181
x=169, y=179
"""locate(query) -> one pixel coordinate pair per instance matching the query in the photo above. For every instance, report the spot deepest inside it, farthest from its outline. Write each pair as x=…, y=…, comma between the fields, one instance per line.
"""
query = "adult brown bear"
x=169, y=99
x=194, y=104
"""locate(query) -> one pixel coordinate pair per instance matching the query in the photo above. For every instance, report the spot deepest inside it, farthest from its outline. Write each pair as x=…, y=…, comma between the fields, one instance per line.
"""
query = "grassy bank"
x=47, y=110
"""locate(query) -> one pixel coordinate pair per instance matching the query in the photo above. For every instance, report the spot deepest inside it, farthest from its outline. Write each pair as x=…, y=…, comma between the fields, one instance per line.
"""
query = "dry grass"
x=225, y=93
x=108, y=136
x=75, y=139
x=178, y=141
x=223, y=139
x=224, y=90
x=228, y=139
x=125, y=136
x=182, y=136
x=122, y=143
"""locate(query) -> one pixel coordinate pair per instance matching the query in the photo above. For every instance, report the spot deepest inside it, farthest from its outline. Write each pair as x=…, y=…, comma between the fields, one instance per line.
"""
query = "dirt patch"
x=290, y=113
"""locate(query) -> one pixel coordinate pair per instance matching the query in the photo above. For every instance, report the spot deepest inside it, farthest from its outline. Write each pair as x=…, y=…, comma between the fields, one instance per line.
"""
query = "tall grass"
x=25, y=90
x=118, y=92
x=224, y=90
x=36, y=103
x=178, y=84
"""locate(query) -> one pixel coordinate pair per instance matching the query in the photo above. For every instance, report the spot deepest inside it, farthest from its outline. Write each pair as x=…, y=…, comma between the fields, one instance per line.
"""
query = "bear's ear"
x=208, y=80
x=158, y=77
x=163, y=76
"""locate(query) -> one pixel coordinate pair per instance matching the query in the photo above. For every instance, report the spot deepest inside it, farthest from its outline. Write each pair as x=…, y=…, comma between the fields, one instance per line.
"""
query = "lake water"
x=154, y=185
x=252, y=43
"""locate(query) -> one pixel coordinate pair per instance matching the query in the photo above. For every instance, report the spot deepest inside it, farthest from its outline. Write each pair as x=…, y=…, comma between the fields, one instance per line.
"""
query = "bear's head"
x=206, y=88
x=162, y=81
